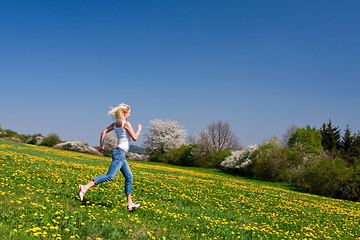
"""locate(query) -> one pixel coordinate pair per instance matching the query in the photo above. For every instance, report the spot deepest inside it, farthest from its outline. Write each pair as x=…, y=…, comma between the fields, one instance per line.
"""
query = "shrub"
x=35, y=139
x=137, y=157
x=275, y=162
x=77, y=146
x=51, y=140
x=208, y=159
x=179, y=156
x=158, y=156
x=240, y=161
x=326, y=176
x=270, y=160
x=10, y=135
x=296, y=159
x=217, y=158
x=182, y=155
x=352, y=188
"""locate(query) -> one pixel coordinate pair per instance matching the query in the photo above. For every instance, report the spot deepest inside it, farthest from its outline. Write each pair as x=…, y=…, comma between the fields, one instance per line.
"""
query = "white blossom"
x=137, y=157
x=164, y=135
x=77, y=146
x=239, y=159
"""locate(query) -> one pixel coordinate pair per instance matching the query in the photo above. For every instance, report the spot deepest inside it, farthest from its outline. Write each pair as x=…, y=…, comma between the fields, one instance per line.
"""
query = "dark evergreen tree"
x=356, y=145
x=347, y=146
x=330, y=138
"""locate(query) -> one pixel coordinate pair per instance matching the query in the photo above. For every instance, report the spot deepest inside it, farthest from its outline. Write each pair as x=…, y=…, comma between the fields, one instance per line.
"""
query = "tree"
x=356, y=145
x=308, y=137
x=218, y=136
x=288, y=134
x=330, y=138
x=347, y=145
x=164, y=135
x=51, y=140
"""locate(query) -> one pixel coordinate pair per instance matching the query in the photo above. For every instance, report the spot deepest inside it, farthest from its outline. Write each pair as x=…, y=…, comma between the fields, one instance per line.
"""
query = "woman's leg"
x=125, y=170
x=89, y=185
x=128, y=181
x=114, y=168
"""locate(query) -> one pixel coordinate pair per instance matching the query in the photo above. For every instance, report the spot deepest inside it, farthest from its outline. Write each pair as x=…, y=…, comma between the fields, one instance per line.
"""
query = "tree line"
x=320, y=161
x=166, y=142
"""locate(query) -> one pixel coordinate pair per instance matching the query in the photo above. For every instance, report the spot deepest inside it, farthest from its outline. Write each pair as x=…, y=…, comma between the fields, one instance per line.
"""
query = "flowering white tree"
x=164, y=135
x=239, y=159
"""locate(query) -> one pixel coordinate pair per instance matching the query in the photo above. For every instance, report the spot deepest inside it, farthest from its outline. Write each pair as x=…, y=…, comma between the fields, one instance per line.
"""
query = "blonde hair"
x=119, y=112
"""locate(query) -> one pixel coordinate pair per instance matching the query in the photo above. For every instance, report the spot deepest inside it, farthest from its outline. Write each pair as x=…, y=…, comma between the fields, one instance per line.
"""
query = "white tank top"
x=122, y=136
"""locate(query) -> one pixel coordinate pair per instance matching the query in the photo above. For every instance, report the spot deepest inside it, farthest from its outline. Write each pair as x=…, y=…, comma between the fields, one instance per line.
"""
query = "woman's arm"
x=103, y=133
x=134, y=136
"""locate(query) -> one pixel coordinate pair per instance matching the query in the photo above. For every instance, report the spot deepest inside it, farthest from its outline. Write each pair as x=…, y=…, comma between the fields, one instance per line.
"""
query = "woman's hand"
x=134, y=136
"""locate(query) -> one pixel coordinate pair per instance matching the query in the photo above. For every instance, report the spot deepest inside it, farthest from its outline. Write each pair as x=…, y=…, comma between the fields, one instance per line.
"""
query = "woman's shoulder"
x=126, y=124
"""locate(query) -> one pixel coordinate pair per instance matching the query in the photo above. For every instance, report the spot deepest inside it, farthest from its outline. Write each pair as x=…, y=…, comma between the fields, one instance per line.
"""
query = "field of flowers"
x=39, y=199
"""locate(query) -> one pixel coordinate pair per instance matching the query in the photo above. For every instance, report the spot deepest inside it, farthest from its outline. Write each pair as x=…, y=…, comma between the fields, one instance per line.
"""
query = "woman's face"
x=127, y=115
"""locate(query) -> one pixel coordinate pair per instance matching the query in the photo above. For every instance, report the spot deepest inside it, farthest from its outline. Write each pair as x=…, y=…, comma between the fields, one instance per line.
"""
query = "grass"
x=39, y=199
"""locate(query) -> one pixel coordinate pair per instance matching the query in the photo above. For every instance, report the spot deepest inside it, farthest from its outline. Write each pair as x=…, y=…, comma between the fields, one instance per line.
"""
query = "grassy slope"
x=38, y=197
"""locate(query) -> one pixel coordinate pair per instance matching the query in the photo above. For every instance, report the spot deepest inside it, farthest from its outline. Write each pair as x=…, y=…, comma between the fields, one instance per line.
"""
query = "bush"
x=208, y=159
x=326, y=176
x=352, y=188
x=158, y=156
x=182, y=155
x=137, y=157
x=179, y=156
x=35, y=139
x=270, y=160
x=190, y=155
x=240, y=161
x=217, y=158
x=77, y=146
x=10, y=135
x=51, y=140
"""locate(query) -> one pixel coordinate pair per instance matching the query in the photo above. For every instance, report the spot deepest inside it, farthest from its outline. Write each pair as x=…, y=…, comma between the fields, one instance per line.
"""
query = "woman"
x=124, y=133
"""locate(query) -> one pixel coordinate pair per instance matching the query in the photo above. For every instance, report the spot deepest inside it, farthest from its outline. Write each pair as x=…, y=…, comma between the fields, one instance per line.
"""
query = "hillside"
x=39, y=198
x=136, y=149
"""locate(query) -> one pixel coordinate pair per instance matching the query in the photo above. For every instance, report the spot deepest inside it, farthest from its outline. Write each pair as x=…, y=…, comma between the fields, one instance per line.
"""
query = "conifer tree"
x=347, y=145
x=356, y=145
x=330, y=138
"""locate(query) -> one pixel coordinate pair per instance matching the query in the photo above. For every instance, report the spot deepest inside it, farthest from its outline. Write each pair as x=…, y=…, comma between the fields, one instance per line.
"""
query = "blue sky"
x=259, y=65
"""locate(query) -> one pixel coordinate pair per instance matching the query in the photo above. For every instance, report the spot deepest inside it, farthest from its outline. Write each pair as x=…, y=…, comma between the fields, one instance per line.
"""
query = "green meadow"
x=39, y=199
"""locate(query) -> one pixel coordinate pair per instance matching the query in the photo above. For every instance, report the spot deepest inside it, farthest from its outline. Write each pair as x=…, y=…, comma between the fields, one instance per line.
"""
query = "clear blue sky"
x=259, y=65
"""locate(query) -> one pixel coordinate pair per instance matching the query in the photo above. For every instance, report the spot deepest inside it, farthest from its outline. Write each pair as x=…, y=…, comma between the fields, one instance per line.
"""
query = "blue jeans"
x=118, y=163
